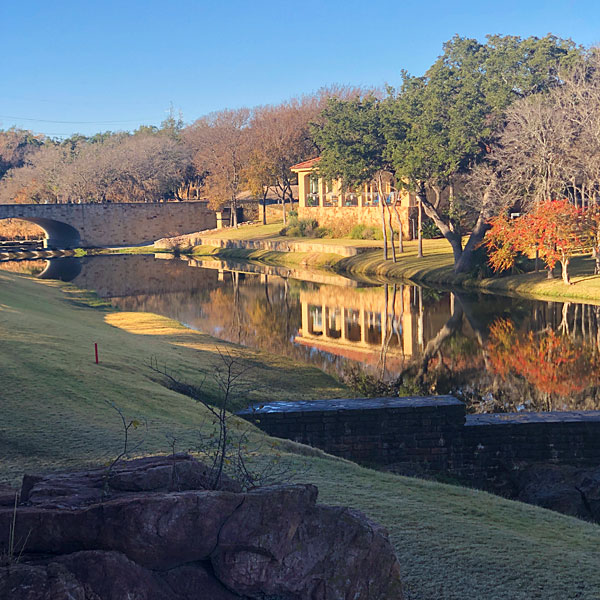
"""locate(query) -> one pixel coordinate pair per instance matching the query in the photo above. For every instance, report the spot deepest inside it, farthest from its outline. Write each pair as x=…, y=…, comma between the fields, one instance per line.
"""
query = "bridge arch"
x=64, y=269
x=58, y=234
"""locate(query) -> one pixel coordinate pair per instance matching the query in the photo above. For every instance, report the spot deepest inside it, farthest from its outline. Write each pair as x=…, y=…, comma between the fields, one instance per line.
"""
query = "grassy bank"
x=47, y=367
x=453, y=543
x=435, y=267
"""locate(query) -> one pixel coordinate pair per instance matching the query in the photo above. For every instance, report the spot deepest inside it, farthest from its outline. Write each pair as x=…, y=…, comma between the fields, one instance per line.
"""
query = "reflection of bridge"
x=109, y=224
x=362, y=325
x=129, y=275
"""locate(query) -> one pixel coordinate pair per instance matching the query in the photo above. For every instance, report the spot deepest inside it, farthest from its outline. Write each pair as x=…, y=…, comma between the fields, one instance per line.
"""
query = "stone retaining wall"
x=198, y=239
x=433, y=434
x=332, y=216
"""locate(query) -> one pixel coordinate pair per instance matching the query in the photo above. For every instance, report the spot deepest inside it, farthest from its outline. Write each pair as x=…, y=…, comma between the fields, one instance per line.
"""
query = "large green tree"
x=438, y=126
x=350, y=135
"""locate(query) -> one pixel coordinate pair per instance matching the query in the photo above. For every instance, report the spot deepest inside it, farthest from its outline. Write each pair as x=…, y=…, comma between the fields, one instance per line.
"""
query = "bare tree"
x=279, y=138
x=549, y=146
x=16, y=146
x=219, y=143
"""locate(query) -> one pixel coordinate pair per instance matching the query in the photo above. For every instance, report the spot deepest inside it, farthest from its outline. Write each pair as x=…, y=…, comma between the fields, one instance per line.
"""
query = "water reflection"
x=498, y=353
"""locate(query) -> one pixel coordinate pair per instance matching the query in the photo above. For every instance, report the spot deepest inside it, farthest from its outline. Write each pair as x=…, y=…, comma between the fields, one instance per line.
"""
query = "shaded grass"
x=456, y=544
x=53, y=394
x=453, y=543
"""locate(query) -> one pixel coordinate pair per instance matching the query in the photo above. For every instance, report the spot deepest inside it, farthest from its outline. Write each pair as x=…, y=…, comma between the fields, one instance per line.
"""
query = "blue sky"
x=110, y=65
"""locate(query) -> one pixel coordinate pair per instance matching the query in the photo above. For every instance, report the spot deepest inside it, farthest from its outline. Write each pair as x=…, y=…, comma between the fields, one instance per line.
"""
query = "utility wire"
x=73, y=122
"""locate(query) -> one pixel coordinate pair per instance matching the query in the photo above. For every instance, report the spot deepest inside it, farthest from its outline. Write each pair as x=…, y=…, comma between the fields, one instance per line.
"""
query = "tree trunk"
x=463, y=257
x=283, y=209
x=465, y=261
x=392, y=233
x=596, y=257
x=234, y=220
x=400, y=240
x=264, y=205
x=420, y=229
x=565, y=271
x=382, y=211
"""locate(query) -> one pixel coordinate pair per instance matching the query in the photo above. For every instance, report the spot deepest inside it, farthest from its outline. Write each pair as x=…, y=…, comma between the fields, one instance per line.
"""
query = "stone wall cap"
x=350, y=404
x=574, y=416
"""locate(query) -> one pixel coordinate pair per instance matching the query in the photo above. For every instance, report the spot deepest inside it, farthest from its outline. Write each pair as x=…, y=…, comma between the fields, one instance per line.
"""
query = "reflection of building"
x=363, y=325
x=329, y=201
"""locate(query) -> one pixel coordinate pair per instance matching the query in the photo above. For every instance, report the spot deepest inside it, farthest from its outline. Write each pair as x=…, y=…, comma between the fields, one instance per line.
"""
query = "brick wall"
x=433, y=434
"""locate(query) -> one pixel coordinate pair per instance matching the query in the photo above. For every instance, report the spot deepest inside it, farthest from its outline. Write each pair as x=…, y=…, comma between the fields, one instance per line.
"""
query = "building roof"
x=306, y=165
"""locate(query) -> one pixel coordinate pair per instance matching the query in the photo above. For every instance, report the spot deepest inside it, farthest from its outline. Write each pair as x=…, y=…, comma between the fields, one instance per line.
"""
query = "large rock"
x=54, y=582
x=566, y=489
x=96, y=575
x=328, y=553
x=153, y=474
x=7, y=495
x=152, y=530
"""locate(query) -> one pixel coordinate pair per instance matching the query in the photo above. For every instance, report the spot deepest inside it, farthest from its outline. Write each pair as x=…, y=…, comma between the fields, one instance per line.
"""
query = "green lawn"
x=53, y=394
x=453, y=543
x=435, y=267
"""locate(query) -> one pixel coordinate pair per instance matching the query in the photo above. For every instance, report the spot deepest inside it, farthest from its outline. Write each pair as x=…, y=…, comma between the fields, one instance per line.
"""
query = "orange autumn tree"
x=555, y=229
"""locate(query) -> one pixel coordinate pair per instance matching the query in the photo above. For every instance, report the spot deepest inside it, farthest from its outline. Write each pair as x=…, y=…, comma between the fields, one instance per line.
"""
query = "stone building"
x=330, y=203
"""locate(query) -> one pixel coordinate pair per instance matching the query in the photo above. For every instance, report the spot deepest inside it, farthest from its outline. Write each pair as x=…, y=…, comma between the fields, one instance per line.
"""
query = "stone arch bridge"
x=112, y=224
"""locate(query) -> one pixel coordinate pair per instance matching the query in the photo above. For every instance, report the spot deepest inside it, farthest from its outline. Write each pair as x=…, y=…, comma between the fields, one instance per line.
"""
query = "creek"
x=497, y=353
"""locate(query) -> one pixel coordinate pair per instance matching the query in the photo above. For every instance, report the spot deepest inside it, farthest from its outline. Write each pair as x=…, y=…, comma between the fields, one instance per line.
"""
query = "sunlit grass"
x=436, y=266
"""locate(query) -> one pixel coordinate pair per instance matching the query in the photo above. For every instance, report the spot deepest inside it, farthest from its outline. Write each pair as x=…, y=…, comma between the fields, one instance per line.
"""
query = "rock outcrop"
x=151, y=530
x=566, y=489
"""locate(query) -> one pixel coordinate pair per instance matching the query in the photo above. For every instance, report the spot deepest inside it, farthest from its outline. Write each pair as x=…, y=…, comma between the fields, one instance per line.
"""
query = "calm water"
x=499, y=354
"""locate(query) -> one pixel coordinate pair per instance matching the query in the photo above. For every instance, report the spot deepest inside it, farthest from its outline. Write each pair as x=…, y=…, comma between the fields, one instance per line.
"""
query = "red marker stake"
x=96, y=349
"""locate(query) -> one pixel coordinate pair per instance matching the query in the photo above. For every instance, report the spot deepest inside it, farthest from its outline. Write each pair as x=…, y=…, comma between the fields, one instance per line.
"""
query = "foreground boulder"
x=152, y=530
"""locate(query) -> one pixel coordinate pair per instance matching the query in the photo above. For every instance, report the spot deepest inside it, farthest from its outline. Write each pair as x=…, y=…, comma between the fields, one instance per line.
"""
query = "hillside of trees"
x=216, y=157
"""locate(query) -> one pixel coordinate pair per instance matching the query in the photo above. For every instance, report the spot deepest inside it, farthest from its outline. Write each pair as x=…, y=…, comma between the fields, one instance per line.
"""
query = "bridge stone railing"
x=113, y=224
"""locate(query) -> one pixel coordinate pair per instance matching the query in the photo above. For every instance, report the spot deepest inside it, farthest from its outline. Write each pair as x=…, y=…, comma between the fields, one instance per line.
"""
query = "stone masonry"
x=433, y=434
x=98, y=225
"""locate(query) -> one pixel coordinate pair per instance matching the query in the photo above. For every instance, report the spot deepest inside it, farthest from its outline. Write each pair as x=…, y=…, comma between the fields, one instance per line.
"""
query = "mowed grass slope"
x=436, y=266
x=53, y=395
x=453, y=543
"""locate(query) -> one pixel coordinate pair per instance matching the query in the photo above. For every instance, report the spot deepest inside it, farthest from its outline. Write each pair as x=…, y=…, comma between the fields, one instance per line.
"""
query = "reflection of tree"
x=249, y=315
x=26, y=267
x=555, y=364
x=434, y=346
x=548, y=362
x=502, y=368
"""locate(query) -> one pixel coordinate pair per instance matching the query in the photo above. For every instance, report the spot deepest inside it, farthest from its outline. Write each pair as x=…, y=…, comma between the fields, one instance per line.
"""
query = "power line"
x=73, y=122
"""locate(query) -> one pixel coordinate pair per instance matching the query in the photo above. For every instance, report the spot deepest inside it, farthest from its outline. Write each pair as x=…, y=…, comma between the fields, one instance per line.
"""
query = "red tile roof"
x=307, y=164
